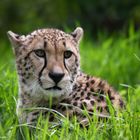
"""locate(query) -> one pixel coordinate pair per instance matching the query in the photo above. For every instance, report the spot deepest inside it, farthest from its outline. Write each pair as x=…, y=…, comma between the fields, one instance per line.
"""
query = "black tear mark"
x=45, y=64
x=65, y=64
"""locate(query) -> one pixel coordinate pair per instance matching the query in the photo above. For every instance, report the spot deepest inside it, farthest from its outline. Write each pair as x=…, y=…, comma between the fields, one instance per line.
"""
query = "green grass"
x=115, y=59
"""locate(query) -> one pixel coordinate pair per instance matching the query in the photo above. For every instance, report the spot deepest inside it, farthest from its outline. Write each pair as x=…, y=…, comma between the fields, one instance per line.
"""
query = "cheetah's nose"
x=56, y=77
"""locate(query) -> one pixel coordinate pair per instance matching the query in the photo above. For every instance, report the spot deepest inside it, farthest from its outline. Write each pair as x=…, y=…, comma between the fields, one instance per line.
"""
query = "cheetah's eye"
x=67, y=54
x=40, y=52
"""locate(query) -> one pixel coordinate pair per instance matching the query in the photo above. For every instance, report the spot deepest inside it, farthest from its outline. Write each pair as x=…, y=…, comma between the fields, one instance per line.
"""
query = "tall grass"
x=115, y=59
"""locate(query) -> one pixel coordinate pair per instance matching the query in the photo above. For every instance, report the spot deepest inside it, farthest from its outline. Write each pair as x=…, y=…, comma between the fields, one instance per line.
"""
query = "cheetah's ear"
x=14, y=39
x=78, y=34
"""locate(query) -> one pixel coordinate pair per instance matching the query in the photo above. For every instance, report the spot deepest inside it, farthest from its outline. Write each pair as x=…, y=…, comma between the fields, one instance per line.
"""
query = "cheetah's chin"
x=56, y=91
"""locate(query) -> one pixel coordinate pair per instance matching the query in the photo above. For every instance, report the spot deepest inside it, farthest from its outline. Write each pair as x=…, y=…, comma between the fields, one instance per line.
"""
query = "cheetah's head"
x=47, y=61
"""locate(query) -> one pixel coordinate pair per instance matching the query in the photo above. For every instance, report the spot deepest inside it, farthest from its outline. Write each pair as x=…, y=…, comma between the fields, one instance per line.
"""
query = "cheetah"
x=48, y=67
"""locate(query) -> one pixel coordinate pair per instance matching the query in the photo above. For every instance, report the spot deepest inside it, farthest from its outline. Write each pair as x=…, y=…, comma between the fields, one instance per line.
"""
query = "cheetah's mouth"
x=53, y=88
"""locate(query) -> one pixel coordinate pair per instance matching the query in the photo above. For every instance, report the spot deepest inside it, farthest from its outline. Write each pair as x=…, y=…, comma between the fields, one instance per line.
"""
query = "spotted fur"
x=48, y=66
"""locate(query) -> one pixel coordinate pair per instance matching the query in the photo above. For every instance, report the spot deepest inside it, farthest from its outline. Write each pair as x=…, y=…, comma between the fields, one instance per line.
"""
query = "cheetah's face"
x=47, y=61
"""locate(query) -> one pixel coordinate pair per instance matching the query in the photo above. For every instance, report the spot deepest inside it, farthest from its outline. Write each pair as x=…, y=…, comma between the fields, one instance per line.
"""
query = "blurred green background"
x=110, y=48
x=92, y=15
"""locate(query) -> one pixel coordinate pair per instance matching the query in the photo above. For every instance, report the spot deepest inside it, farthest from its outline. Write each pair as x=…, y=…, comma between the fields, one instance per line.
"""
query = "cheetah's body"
x=48, y=65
